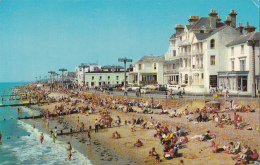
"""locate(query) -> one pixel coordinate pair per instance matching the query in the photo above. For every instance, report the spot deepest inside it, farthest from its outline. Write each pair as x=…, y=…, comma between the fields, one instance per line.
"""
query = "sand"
x=194, y=152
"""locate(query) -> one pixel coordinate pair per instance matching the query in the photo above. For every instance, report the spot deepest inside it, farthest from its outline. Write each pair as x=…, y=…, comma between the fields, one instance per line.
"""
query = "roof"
x=202, y=36
x=151, y=58
x=111, y=66
x=205, y=21
x=173, y=36
x=189, y=26
x=245, y=38
x=172, y=62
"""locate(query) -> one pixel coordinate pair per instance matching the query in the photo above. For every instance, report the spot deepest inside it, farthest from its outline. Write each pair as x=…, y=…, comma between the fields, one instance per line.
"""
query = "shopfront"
x=234, y=81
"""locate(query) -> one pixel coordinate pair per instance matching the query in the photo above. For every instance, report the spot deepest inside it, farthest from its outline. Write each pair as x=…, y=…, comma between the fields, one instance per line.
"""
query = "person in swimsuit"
x=69, y=151
x=41, y=138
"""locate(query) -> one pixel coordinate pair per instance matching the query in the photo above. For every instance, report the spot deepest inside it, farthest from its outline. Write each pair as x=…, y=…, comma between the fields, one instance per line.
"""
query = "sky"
x=38, y=36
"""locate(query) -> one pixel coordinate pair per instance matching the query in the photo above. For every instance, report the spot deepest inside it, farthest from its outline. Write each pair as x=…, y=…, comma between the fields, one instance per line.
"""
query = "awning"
x=172, y=62
x=233, y=73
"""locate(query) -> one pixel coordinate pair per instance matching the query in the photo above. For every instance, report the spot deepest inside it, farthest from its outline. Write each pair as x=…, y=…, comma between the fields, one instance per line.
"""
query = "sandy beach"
x=115, y=151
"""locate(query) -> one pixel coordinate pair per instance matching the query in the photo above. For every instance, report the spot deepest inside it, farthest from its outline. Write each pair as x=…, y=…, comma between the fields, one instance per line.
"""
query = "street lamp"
x=124, y=60
x=62, y=70
x=254, y=43
x=51, y=72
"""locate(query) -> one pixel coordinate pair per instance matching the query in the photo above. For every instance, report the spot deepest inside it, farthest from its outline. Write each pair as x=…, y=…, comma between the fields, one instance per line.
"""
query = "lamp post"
x=124, y=60
x=51, y=72
x=62, y=70
x=254, y=43
x=36, y=79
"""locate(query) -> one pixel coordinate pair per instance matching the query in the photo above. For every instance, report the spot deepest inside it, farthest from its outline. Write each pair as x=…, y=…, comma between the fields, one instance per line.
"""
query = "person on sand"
x=181, y=162
x=0, y=136
x=218, y=150
x=157, y=159
x=41, y=138
x=96, y=126
x=252, y=157
x=152, y=152
x=242, y=154
x=89, y=137
x=115, y=135
x=33, y=126
x=138, y=143
x=69, y=151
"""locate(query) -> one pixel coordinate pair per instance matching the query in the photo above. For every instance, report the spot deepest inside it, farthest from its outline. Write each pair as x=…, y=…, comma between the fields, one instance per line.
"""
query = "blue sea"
x=21, y=142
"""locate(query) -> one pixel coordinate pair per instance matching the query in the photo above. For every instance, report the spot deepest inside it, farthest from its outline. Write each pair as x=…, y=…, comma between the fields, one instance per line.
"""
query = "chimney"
x=218, y=18
x=233, y=16
x=213, y=18
x=249, y=29
x=228, y=21
x=240, y=28
x=193, y=19
x=179, y=29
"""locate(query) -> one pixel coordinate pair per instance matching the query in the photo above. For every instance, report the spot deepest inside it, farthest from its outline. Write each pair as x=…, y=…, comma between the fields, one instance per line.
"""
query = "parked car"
x=146, y=90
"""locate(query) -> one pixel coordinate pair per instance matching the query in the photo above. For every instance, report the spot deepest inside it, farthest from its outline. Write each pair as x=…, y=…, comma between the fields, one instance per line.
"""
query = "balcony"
x=173, y=71
x=197, y=52
x=184, y=54
x=197, y=67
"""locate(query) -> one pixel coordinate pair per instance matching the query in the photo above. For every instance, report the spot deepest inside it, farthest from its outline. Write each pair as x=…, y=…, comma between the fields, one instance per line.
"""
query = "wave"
x=30, y=111
x=30, y=151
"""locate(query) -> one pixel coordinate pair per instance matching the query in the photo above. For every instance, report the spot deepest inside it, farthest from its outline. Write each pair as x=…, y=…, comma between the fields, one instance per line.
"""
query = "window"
x=242, y=49
x=212, y=60
x=212, y=44
x=92, y=77
x=242, y=65
x=108, y=77
x=186, y=63
x=173, y=42
x=173, y=66
x=174, y=53
x=154, y=66
x=180, y=38
x=232, y=51
x=100, y=78
x=232, y=65
x=202, y=75
x=186, y=78
x=201, y=31
x=108, y=83
x=126, y=77
x=140, y=66
x=116, y=77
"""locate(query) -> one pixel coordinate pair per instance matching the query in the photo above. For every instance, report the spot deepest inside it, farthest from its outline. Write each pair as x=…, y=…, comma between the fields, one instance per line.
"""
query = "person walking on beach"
x=69, y=151
x=0, y=136
x=96, y=126
x=89, y=137
x=41, y=138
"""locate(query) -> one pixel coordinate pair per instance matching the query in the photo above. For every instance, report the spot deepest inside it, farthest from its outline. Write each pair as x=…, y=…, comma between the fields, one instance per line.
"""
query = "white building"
x=88, y=67
x=198, y=51
x=148, y=70
x=238, y=76
x=108, y=75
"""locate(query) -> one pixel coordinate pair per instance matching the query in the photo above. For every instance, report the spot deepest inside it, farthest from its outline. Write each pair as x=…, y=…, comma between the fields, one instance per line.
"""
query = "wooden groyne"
x=50, y=115
x=15, y=105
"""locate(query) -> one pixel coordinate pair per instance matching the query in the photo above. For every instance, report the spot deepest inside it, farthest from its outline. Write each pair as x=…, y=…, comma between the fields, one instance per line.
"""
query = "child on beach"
x=53, y=137
x=69, y=151
x=41, y=138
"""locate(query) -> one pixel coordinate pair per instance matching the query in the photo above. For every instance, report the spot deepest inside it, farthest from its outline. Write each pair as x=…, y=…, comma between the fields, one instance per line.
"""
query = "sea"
x=20, y=142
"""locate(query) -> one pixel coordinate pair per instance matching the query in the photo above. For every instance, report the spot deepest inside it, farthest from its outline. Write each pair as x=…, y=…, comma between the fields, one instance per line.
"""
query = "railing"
x=148, y=82
x=197, y=51
x=197, y=67
x=184, y=54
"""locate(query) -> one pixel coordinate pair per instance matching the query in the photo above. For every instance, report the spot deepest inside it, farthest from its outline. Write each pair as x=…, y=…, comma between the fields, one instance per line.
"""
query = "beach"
x=116, y=151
